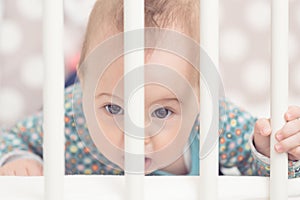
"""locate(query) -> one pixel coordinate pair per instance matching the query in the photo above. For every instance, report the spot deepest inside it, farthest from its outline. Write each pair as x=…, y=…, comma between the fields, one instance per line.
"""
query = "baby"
x=94, y=109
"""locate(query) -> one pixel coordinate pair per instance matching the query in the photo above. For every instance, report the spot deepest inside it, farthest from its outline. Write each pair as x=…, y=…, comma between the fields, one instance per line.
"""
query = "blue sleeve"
x=26, y=137
x=236, y=143
x=236, y=127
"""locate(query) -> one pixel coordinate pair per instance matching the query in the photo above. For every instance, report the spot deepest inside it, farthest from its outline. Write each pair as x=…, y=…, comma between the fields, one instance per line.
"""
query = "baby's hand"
x=288, y=136
x=22, y=167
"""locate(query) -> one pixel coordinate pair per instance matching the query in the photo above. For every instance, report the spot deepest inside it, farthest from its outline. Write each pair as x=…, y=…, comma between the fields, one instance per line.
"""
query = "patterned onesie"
x=236, y=149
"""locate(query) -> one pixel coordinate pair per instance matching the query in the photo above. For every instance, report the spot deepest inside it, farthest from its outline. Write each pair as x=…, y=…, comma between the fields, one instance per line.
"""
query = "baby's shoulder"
x=73, y=102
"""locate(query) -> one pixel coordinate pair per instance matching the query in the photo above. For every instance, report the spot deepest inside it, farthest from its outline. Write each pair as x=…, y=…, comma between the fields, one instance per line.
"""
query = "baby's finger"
x=10, y=173
x=294, y=154
x=35, y=171
x=21, y=172
x=7, y=172
x=292, y=113
x=288, y=143
x=289, y=129
x=262, y=127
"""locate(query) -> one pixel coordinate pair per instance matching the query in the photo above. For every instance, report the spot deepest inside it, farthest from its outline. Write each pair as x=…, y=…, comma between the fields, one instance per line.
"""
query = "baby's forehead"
x=162, y=59
x=154, y=55
x=158, y=59
x=161, y=82
x=159, y=67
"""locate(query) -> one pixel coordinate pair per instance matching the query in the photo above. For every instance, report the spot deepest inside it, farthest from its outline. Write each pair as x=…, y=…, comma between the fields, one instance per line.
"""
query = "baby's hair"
x=107, y=18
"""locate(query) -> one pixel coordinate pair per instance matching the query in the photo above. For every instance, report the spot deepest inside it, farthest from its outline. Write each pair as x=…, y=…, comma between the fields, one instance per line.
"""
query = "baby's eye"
x=114, y=109
x=162, y=113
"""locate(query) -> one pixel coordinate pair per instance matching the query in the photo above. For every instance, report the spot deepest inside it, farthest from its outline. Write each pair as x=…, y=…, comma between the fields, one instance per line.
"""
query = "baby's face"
x=167, y=123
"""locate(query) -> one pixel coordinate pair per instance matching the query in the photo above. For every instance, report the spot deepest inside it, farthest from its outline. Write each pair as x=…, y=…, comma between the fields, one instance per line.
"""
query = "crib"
x=104, y=187
x=209, y=185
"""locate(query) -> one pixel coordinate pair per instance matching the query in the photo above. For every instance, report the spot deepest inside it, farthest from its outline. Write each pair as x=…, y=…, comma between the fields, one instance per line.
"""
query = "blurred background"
x=244, y=53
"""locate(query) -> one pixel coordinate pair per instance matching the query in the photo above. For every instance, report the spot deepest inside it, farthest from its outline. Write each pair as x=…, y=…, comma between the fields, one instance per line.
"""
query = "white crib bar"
x=209, y=40
x=279, y=96
x=134, y=144
x=53, y=126
x=2, y=5
x=1, y=11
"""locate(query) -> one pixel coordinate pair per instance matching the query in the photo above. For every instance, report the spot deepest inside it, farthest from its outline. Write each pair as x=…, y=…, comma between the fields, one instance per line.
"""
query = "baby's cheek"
x=115, y=136
x=167, y=137
x=112, y=132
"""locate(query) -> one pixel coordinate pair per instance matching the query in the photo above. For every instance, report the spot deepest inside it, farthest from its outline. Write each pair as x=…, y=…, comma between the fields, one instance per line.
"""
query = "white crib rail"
x=279, y=95
x=1, y=11
x=156, y=188
x=134, y=101
x=209, y=40
x=2, y=5
x=54, y=144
